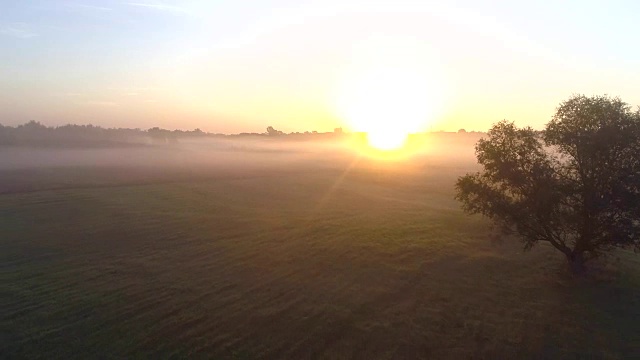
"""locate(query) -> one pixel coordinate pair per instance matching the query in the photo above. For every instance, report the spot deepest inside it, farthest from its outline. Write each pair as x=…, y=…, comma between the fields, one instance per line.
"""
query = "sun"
x=390, y=94
x=388, y=103
x=386, y=141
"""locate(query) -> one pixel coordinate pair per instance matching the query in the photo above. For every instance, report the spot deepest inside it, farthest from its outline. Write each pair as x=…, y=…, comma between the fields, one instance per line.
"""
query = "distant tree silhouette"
x=34, y=133
x=159, y=136
x=462, y=131
x=5, y=135
x=273, y=132
x=575, y=185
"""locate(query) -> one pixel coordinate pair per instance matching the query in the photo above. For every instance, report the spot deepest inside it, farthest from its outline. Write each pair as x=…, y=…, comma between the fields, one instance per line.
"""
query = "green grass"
x=381, y=264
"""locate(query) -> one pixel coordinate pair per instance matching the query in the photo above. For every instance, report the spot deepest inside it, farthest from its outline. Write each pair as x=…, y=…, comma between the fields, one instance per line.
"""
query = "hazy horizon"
x=230, y=67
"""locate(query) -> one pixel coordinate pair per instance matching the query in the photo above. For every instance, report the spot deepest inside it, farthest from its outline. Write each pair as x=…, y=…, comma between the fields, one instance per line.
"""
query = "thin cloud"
x=68, y=94
x=102, y=103
x=18, y=30
x=161, y=7
x=133, y=89
x=89, y=7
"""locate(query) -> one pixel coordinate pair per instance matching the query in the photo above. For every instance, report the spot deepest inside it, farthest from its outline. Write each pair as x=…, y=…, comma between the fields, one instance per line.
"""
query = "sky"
x=240, y=66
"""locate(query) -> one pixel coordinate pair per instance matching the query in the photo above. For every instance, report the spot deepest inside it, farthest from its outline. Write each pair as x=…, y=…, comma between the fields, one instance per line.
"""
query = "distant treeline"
x=34, y=133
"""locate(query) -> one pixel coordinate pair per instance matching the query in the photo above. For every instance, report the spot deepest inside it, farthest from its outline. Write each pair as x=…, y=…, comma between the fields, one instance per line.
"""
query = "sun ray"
x=334, y=186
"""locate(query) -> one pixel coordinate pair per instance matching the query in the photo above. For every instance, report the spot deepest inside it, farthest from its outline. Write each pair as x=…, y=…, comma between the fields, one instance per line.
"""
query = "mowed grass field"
x=370, y=263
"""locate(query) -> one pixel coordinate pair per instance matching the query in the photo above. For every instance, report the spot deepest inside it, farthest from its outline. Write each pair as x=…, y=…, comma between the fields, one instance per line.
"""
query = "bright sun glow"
x=389, y=92
x=386, y=141
x=387, y=103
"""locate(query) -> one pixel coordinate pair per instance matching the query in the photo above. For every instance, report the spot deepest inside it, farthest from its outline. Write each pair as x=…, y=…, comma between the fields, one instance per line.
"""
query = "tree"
x=273, y=132
x=158, y=135
x=575, y=185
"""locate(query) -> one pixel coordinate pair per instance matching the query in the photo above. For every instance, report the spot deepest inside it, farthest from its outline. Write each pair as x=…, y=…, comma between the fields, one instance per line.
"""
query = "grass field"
x=311, y=262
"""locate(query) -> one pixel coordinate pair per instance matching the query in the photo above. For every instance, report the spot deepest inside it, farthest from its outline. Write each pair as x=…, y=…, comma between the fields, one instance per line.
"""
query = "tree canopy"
x=575, y=184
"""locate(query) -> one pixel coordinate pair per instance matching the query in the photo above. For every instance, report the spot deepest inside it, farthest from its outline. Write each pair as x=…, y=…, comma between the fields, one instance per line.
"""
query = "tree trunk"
x=576, y=262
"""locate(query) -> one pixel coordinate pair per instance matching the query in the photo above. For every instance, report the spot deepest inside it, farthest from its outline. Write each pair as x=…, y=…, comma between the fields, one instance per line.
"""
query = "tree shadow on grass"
x=609, y=296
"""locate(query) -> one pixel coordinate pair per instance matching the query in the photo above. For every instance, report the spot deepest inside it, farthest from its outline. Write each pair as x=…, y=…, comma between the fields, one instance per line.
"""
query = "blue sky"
x=233, y=66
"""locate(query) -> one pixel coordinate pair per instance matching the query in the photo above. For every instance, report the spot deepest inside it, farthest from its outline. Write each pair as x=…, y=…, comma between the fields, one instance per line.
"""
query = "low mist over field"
x=23, y=165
